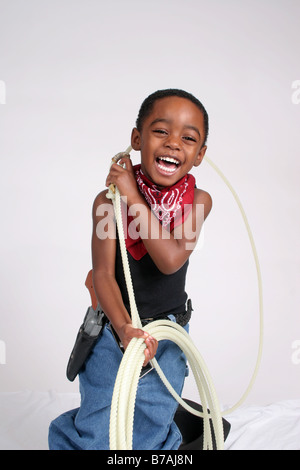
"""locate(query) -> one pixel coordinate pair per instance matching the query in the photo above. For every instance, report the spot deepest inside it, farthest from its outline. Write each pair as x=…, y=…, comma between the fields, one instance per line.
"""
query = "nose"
x=173, y=142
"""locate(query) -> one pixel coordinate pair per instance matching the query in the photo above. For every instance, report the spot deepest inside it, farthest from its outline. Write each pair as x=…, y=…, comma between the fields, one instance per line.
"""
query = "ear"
x=135, y=139
x=200, y=156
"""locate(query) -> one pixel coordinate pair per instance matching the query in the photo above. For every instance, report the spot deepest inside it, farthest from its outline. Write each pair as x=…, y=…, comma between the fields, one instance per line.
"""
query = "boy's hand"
x=127, y=332
x=123, y=178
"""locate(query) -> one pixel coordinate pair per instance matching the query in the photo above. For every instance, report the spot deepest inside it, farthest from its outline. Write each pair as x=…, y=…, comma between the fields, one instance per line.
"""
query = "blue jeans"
x=87, y=427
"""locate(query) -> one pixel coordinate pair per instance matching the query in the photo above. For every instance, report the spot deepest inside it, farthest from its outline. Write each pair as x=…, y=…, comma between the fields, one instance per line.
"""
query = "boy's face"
x=171, y=140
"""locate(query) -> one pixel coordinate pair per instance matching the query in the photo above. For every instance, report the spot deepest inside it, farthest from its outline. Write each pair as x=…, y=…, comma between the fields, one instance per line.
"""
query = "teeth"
x=170, y=159
x=165, y=168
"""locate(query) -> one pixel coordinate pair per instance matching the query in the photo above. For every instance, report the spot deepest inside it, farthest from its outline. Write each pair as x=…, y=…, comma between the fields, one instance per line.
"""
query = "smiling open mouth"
x=168, y=165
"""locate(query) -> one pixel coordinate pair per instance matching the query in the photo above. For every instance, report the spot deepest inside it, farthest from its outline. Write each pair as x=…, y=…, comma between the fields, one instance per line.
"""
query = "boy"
x=170, y=133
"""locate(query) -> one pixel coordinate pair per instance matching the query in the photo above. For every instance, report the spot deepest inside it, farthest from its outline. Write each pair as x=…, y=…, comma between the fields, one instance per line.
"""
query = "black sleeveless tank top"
x=156, y=294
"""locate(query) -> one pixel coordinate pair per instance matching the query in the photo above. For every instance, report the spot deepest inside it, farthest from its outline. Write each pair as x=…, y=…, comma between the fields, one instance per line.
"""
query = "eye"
x=160, y=131
x=189, y=138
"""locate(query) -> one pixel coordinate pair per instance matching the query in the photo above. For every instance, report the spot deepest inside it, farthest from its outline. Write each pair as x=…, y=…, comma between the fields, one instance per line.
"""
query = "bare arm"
x=104, y=281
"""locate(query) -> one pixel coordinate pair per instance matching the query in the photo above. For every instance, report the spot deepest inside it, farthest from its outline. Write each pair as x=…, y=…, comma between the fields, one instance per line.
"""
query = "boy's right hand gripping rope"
x=125, y=389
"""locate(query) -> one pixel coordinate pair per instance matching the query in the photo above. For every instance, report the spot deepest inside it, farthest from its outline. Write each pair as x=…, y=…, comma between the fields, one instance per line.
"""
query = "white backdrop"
x=73, y=75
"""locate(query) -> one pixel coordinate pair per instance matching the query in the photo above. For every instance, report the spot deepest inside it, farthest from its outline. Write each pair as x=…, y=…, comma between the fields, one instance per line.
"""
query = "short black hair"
x=148, y=104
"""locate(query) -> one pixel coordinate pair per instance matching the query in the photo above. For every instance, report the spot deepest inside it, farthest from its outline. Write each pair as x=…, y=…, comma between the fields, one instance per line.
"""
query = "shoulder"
x=203, y=197
x=100, y=200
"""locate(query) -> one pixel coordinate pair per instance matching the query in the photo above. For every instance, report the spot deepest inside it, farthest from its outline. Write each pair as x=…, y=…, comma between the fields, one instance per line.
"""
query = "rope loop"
x=125, y=389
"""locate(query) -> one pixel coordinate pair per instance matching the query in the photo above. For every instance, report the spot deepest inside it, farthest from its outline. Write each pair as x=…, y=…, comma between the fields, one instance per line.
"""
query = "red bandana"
x=168, y=204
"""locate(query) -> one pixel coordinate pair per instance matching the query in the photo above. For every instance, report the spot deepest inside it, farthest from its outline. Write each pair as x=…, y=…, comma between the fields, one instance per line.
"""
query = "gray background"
x=75, y=73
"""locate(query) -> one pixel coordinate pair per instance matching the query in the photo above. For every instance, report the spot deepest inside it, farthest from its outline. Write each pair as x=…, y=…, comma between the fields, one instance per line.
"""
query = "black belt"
x=181, y=318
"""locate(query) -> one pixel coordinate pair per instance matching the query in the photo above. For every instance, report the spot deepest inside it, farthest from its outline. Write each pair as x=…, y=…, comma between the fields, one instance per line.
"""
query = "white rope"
x=125, y=389
x=260, y=289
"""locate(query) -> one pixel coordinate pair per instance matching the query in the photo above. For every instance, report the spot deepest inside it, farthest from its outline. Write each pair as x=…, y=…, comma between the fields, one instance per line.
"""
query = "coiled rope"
x=125, y=388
